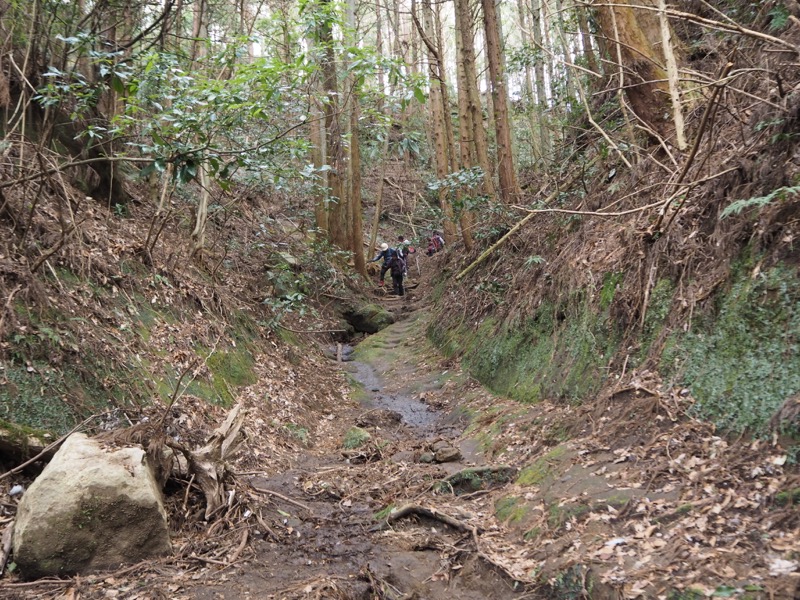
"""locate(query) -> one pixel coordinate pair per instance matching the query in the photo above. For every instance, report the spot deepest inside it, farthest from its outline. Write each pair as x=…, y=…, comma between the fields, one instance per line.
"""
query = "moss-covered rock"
x=369, y=318
x=91, y=509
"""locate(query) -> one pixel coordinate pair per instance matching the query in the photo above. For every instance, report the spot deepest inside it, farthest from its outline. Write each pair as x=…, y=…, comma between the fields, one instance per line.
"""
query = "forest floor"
x=422, y=484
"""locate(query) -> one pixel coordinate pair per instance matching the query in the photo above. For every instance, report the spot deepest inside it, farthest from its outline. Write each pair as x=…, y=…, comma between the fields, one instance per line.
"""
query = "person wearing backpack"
x=404, y=248
x=435, y=243
x=397, y=266
x=386, y=254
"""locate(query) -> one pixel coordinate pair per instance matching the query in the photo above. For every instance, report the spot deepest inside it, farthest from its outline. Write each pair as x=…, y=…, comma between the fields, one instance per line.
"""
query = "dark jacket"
x=386, y=255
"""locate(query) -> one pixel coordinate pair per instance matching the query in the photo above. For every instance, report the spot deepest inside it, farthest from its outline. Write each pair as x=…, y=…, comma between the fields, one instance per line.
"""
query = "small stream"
x=414, y=413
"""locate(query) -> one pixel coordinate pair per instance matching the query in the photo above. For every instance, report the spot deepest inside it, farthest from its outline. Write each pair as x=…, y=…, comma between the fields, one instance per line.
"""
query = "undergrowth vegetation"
x=742, y=359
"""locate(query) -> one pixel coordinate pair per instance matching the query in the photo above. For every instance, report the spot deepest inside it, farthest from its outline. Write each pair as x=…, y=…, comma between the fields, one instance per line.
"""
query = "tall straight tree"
x=199, y=29
x=318, y=147
x=465, y=30
x=635, y=30
x=355, y=220
x=467, y=157
x=439, y=111
x=530, y=101
x=541, y=94
x=509, y=189
x=448, y=123
x=586, y=36
x=384, y=109
x=338, y=206
x=566, y=50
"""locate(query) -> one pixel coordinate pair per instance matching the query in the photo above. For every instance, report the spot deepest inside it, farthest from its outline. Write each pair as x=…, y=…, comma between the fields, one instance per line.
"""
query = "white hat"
x=384, y=246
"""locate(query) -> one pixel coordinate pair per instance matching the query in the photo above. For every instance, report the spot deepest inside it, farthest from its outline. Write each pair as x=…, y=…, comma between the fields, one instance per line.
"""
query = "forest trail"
x=426, y=485
x=324, y=538
x=539, y=498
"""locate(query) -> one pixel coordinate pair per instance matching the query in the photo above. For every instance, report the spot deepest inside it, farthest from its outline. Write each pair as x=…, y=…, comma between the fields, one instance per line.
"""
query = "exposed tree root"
x=431, y=513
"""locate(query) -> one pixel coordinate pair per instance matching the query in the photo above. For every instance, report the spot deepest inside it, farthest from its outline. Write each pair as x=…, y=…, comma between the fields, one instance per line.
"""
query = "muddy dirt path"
x=325, y=536
x=602, y=503
x=425, y=485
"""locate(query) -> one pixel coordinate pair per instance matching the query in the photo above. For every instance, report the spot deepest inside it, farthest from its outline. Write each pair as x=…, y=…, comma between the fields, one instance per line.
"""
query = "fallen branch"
x=282, y=497
x=521, y=223
x=240, y=547
x=410, y=510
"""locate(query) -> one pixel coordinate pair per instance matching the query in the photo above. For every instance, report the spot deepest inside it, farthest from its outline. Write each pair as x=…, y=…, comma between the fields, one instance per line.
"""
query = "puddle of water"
x=413, y=412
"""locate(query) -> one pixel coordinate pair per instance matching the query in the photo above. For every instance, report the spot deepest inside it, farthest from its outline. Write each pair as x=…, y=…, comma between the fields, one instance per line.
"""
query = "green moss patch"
x=542, y=468
x=511, y=510
x=787, y=497
x=35, y=395
x=742, y=360
x=560, y=352
x=355, y=438
x=357, y=390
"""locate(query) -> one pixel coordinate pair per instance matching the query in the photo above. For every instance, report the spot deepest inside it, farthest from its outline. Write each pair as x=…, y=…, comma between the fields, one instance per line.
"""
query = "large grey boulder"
x=92, y=508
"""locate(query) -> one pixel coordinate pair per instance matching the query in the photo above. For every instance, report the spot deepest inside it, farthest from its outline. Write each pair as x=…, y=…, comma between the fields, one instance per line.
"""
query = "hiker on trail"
x=397, y=266
x=435, y=243
x=404, y=248
x=386, y=254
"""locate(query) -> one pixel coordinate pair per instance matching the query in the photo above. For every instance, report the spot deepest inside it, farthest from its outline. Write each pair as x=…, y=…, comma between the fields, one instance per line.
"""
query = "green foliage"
x=742, y=362
x=384, y=512
x=738, y=206
x=533, y=260
x=355, y=438
x=471, y=177
x=297, y=432
x=779, y=16
x=526, y=56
